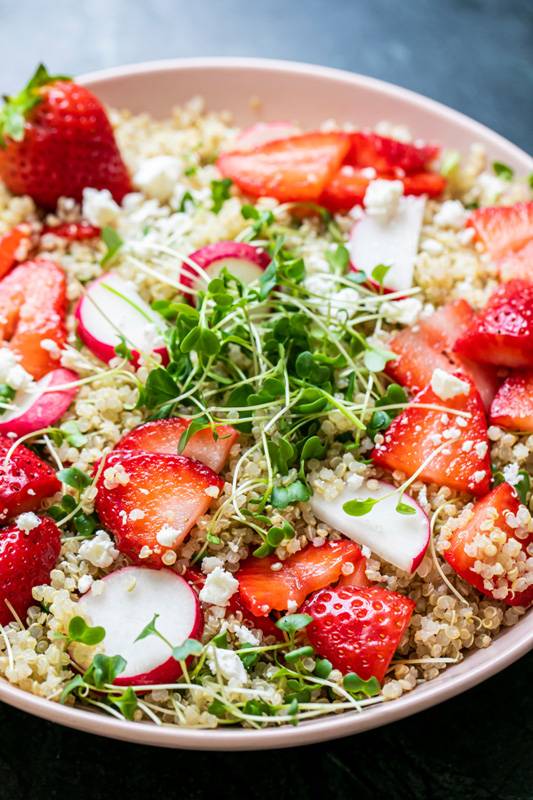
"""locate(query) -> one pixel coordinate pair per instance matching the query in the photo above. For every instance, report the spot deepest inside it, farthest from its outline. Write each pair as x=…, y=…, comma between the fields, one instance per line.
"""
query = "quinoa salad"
x=266, y=410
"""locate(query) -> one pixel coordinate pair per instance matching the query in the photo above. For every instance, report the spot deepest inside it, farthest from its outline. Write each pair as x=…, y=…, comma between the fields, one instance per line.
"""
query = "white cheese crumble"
x=403, y=312
x=51, y=347
x=157, y=177
x=219, y=586
x=212, y=491
x=228, y=664
x=451, y=214
x=167, y=536
x=27, y=522
x=11, y=372
x=115, y=476
x=511, y=474
x=445, y=385
x=99, y=208
x=382, y=198
x=245, y=635
x=85, y=583
x=100, y=551
x=210, y=563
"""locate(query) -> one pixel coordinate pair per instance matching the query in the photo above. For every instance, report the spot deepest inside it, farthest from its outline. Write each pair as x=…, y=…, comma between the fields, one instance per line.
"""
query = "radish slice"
x=400, y=539
x=39, y=409
x=112, y=307
x=394, y=242
x=243, y=260
x=130, y=598
x=263, y=133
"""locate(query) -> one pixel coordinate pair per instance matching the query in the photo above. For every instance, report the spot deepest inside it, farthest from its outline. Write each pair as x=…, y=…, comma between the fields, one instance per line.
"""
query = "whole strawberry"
x=55, y=140
x=26, y=559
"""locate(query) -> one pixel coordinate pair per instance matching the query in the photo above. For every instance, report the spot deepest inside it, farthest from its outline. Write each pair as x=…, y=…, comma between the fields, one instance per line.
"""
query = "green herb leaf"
x=405, y=508
x=76, y=682
x=104, y=669
x=356, y=685
x=125, y=702
x=190, y=647
x=112, y=241
x=523, y=485
x=263, y=550
x=450, y=161
x=149, y=630
x=7, y=395
x=199, y=424
x=220, y=192
x=503, y=171
x=123, y=350
x=283, y=496
x=338, y=259
x=358, y=508
x=72, y=476
x=300, y=652
x=379, y=273
x=72, y=433
x=291, y=623
x=79, y=631
x=323, y=667
x=160, y=388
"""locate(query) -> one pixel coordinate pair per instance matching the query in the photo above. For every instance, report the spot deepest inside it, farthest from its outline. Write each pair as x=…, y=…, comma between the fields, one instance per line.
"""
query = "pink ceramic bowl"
x=306, y=94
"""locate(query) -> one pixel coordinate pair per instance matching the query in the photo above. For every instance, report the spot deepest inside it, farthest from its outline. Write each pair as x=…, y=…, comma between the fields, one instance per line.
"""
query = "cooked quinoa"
x=450, y=617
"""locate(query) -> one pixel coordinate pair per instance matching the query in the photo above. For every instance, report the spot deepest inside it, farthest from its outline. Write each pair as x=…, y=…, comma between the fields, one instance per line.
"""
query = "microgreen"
x=104, y=669
x=190, y=647
x=358, y=508
x=283, y=496
x=79, y=631
x=123, y=350
x=291, y=623
x=113, y=243
x=7, y=395
x=74, y=477
x=220, y=192
x=72, y=433
x=379, y=273
x=194, y=426
x=126, y=702
x=503, y=171
x=450, y=162
x=357, y=686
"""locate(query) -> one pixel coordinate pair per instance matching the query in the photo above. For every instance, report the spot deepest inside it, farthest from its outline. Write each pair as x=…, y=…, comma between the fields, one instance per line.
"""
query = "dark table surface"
x=474, y=55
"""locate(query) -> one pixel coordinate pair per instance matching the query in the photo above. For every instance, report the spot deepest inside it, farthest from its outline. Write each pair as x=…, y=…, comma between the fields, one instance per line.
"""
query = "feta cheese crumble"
x=99, y=208
x=382, y=198
x=167, y=536
x=157, y=177
x=445, y=385
x=228, y=664
x=219, y=586
x=100, y=551
x=27, y=522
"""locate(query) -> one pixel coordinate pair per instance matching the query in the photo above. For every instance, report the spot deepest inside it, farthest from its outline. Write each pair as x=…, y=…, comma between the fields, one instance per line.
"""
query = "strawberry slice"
x=517, y=264
x=293, y=169
x=495, y=567
x=26, y=560
x=150, y=501
x=163, y=435
x=513, y=405
x=357, y=577
x=431, y=346
x=503, y=228
x=13, y=247
x=25, y=480
x=430, y=183
x=33, y=301
x=417, y=432
x=502, y=333
x=73, y=231
x=357, y=629
x=263, y=589
x=386, y=154
x=345, y=190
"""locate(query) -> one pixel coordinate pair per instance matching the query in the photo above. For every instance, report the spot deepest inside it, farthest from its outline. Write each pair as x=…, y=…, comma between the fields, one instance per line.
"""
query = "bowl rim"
x=334, y=726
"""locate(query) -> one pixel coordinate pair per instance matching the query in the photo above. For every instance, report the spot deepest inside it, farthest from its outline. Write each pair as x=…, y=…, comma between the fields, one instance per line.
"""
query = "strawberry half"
x=502, y=333
x=293, y=169
x=25, y=480
x=73, y=231
x=474, y=554
x=26, y=560
x=358, y=630
x=416, y=433
x=163, y=436
x=263, y=589
x=503, y=229
x=517, y=264
x=156, y=504
x=347, y=188
x=386, y=154
x=33, y=303
x=58, y=140
x=14, y=246
x=513, y=405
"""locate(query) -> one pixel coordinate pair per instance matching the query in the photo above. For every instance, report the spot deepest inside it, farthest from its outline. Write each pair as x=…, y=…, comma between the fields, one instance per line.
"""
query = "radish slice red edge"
x=112, y=307
x=243, y=260
x=37, y=408
x=400, y=539
x=128, y=600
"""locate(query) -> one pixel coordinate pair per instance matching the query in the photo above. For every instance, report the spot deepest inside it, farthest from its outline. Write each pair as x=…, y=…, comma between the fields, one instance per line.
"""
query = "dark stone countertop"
x=474, y=55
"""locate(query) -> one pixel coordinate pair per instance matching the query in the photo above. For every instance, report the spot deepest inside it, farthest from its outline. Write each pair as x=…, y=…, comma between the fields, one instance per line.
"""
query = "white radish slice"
x=392, y=241
x=112, y=307
x=128, y=600
x=400, y=539
x=263, y=133
x=37, y=408
x=243, y=260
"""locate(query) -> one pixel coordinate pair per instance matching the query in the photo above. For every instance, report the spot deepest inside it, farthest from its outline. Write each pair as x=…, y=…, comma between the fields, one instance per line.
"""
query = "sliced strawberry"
x=73, y=231
x=430, y=183
x=25, y=480
x=297, y=168
x=33, y=303
x=13, y=247
x=417, y=432
x=517, y=264
x=385, y=154
x=163, y=436
x=26, y=559
x=358, y=630
x=503, y=228
x=502, y=333
x=513, y=405
x=263, y=589
x=346, y=189
x=156, y=504
x=357, y=577
x=430, y=346
x=472, y=552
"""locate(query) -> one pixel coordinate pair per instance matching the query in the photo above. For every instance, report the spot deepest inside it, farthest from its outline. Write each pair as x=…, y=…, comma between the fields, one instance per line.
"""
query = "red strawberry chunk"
x=26, y=559
x=416, y=433
x=429, y=183
x=163, y=435
x=417, y=359
x=513, y=405
x=346, y=189
x=517, y=264
x=385, y=154
x=25, y=480
x=263, y=589
x=33, y=303
x=496, y=568
x=13, y=247
x=358, y=629
x=152, y=500
x=503, y=228
x=357, y=577
x=502, y=333
x=293, y=169
x=73, y=231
